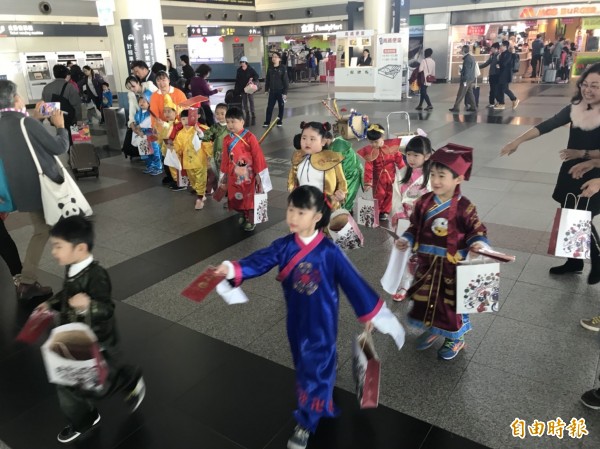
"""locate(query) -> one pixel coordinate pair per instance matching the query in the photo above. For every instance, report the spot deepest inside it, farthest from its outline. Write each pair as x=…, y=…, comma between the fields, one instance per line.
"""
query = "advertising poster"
x=388, y=78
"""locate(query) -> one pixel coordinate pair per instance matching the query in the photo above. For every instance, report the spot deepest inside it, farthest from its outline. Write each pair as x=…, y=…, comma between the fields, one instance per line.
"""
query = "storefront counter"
x=355, y=83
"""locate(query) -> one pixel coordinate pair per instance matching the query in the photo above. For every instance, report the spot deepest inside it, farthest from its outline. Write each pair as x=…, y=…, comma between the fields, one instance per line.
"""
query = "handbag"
x=250, y=88
x=477, y=286
x=430, y=78
x=260, y=208
x=571, y=231
x=6, y=202
x=344, y=230
x=368, y=211
x=59, y=200
x=366, y=370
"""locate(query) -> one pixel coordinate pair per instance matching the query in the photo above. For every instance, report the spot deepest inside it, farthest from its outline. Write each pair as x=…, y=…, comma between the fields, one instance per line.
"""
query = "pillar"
x=149, y=16
x=378, y=15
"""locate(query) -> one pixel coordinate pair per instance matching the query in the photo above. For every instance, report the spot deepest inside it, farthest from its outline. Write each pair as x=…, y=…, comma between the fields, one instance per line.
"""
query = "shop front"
x=296, y=40
x=481, y=28
x=222, y=47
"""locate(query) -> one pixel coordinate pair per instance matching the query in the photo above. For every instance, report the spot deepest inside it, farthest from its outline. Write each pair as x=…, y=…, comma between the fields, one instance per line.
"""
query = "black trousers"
x=535, y=60
x=78, y=405
x=274, y=97
x=502, y=90
x=9, y=251
x=493, y=89
x=424, y=97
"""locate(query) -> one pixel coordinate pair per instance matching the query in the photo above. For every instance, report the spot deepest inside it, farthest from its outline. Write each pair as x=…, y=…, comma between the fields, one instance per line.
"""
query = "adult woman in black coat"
x=583, y=114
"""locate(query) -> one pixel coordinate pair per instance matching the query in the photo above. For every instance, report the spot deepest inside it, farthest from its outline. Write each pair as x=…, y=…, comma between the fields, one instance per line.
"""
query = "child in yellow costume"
x=166, y=132
x=194, y=153
x=317, y=166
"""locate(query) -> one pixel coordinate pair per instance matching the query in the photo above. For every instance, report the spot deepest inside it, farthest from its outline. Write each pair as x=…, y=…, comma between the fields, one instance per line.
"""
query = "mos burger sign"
x=560, y=11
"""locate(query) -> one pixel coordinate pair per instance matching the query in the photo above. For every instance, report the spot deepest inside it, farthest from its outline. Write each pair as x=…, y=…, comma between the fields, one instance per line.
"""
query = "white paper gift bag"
x=172, y=160
x=344, y=230
x=72, y=357
x=182, y=179
x=367, y=209
x=571, y=232
x=260, y=208
x=477, y=286
x=231, y=295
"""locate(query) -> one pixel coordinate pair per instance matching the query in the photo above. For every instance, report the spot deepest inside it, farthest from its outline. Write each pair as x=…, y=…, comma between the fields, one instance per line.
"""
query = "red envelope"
x=36, y=325
x=194, y=101
x=203, y=285
x=219, y=193
x=192, y=116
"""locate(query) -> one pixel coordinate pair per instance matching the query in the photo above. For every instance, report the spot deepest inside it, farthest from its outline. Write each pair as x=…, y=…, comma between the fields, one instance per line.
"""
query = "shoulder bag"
x=430, y=78
x=59, y=200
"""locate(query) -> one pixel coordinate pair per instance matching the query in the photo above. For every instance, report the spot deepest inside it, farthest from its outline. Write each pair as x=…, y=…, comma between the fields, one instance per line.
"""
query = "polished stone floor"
x=220, y=376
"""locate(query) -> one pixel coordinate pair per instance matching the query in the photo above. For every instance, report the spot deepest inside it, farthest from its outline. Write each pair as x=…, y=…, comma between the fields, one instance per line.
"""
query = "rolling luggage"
x=84, y=160
x=550, y=76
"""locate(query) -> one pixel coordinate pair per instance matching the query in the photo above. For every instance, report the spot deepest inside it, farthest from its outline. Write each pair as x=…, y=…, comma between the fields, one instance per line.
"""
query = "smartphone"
x=48, y=108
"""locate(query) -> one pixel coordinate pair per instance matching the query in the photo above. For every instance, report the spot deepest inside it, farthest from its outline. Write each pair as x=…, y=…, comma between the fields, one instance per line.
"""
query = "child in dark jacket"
x=86, y=298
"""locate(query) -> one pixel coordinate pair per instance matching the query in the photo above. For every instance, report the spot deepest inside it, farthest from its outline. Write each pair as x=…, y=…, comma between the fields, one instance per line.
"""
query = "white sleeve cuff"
x=230, y=270
x=387, y=323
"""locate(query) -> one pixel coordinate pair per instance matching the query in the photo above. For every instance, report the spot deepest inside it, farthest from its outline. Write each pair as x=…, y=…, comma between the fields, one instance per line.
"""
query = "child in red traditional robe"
x=382, y=159
x=244, y=169
x=443, y=228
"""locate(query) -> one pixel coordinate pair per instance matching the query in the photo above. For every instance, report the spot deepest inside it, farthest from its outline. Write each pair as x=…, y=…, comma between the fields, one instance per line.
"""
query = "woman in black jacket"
x=583, y=116
x=244, y=75
x=505, y=74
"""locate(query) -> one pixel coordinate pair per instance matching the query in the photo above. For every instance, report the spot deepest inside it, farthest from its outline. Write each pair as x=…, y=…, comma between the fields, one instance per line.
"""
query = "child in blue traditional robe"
x=144, y=128
x=444, y=226
x=311, y=267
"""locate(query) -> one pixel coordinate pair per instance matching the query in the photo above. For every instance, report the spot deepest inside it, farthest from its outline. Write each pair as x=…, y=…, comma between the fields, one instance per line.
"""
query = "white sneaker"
x=515, y=103
x=199, y=204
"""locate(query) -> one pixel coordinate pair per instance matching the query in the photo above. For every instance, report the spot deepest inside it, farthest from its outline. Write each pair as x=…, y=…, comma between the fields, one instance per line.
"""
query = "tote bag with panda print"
x=59, y=200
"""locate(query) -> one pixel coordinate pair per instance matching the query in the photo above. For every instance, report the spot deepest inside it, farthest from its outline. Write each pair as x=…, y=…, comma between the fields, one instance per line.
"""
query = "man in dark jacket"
x=537, y=50
x=141, y=70
x=505, y=66
x=244, y=75
x=188, y=72
x=23, y=179
x=276, y=85
x=492, y=62
x=467, y=82
x=71, y=93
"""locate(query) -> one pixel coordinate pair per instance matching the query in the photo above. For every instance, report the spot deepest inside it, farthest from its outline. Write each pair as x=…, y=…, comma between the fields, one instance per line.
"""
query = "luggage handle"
x=577, y=199
x=403, y=113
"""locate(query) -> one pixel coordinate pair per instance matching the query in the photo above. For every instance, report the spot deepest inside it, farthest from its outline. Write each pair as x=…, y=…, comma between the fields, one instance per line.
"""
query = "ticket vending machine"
x=37, y=74
x=77, y=57
x=100, y=62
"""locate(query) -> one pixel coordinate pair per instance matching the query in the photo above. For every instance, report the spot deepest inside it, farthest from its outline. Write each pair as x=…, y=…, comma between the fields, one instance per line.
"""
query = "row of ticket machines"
x=38, y=68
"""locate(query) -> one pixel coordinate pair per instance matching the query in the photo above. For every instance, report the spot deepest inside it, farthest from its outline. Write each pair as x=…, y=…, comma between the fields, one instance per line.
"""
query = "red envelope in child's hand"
x=194, y=101
x=192, y=117
x=35, y=326
x=203, y=285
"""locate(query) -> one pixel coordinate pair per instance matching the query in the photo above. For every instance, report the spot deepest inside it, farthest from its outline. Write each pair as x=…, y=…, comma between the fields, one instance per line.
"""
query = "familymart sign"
x=531, y=12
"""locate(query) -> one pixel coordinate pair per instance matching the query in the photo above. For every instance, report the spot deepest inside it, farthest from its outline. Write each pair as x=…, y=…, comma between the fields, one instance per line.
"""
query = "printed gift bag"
x=182, y=179
x=368, y=210
x=571, y=232
x=344, y=230
x=260, y=208
x=477, y=286
x=366, y=370
x=72, y=357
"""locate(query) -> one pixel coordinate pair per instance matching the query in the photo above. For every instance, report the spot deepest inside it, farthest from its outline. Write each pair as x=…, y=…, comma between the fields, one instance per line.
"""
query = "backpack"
x=65, y=106
x=516, y=63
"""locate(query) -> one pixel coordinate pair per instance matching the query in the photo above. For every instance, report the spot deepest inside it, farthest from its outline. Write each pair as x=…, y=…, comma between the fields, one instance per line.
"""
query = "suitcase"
x=233, y=101
x=476, y=90
x=550, y=76
x=84, y=160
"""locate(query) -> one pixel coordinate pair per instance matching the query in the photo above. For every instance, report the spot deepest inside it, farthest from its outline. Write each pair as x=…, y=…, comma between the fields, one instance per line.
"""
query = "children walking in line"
x=311, y=268
x=382, y=159
x=317, y=166
x=443, y=228
x=143, y=128
x=86, y=298
x=194, y=153
x=243, y=168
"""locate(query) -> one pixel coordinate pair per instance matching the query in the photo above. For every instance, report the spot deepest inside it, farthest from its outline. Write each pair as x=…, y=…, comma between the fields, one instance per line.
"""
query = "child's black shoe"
x=68, y=434
x=136, y=396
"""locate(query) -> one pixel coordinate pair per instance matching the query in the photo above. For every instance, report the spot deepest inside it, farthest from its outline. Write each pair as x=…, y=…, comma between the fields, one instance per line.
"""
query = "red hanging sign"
x=477, y=30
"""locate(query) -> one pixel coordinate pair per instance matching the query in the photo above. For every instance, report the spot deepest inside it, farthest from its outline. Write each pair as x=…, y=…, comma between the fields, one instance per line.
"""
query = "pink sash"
x=299, y=256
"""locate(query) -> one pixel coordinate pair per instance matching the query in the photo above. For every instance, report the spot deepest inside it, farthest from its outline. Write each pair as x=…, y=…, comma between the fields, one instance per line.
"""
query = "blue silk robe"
x=434, y=288
x=311, y=295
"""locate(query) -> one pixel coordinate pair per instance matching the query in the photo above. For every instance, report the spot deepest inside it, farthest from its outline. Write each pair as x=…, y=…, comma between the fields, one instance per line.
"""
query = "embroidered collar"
x=26, y=114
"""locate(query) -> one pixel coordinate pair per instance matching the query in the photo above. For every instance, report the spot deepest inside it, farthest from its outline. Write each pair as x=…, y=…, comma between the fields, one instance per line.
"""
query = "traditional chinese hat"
x=457, y=158
x=169, y=103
